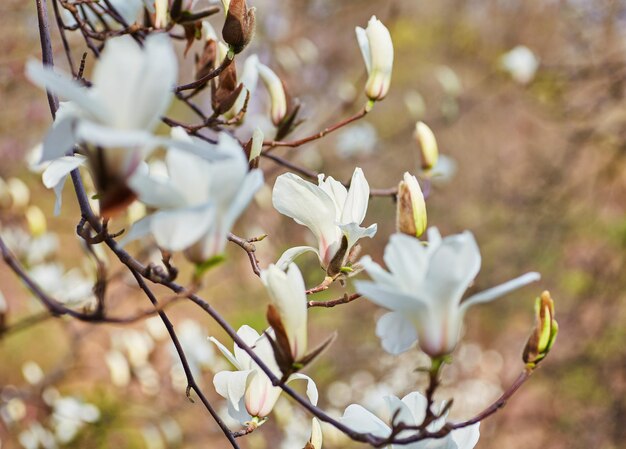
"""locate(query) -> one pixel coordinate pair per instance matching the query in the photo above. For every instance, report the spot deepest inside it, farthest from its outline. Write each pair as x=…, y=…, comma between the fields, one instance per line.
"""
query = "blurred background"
x=526, y=98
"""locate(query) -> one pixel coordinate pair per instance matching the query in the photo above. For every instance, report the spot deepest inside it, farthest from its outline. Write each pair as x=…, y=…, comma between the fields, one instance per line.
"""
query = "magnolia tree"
x=184, y=191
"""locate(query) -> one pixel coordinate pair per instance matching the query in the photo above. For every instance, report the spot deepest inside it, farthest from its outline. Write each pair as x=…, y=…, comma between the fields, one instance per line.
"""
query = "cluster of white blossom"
x=194, y=191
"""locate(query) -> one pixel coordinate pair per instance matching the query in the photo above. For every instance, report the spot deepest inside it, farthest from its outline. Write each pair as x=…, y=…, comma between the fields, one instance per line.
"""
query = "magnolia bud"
x=411, y=211
x=315, y=442
x=256, y=146
x=275, y=87
x=377, y=50
x=160, y=20
x=429, y=151
x=239, y=24
x=223, y=96
x=544, y=334
x=36, y=221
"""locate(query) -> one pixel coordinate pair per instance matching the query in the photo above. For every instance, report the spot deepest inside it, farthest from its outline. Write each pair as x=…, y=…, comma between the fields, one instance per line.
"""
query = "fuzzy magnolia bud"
x=377, y=50
x=411, y=212
x=275, y=87
x=429, y=151
x=544, y=335
x=239, y=24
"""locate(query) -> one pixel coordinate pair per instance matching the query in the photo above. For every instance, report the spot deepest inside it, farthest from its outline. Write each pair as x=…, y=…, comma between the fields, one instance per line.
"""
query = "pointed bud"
x=411, y=211
x=275, y=87
x=161, y=19
x=544, y=335
x=315, y=442
x=429, y=151
x=255, y=148
x=377, y=50
x=239, y=24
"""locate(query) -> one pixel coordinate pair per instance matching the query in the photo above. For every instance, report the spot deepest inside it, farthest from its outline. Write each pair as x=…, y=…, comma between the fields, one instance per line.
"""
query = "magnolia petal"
x=416, y=403
x=360, y=419
x=289, y=255
x=397, y=334
x=308, y=205
x=231, y=385
x=288, y=294
x=390, y=298
x=252, y=182
x=135, y=84
x=377, y=273
x=311, y=388
x=500, y=290
x=466, y=437
x=400, y=410
x=354, y=232
x=178, y=229
x=224, y=350
x=452, y=268
x=59, y=168
x=112, y=137
x=157, y=192
x=64, y=86
x=336, y=191
x=316, y=434
x=407, y=258
x=138, y=230
x=364, y=45
x=355, y=207
x=59, y=140
x=55, y=175
x=190, y=176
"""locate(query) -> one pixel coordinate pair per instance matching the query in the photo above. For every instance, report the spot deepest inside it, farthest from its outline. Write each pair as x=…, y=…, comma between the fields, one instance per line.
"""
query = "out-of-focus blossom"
x=288, y=295
x=415, y=103
x=332, y=213
x=70, y=415
x=32, y=372
x=424, y=288
x=249, y=392
x=410, y=410
x=411, y=208
x=36, y=437
x=194, y=341
x=71, y=288
x=521, y=63
x=358, y=140
x=377, y=50
x=429, y=150
x=19, y=193
x=131, y=89
x=199, y=201
x=449, y=81
x=119, y=369
x=278, y=98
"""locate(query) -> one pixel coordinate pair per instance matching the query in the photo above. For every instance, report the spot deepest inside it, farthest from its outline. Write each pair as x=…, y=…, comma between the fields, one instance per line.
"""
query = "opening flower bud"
x=544, y=335
x=275, y=87
x=411, y=212
x=429, y=151
x=239, y=24
x=377, y=49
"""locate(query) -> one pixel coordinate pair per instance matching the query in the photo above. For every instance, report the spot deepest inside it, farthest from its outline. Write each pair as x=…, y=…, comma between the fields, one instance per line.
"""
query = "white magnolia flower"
x=424, y=290
x=131, y=90
x=199, y=201
x=377, y=50
x=410, y=411
x=288, y=295
x=328, y=209
x=521, y=63
x=278, y=98
x=248, y=390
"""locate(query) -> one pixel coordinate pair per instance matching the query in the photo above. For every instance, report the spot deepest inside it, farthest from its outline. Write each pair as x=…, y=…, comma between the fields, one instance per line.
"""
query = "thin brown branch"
x=345, y=299
x=271, y=144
